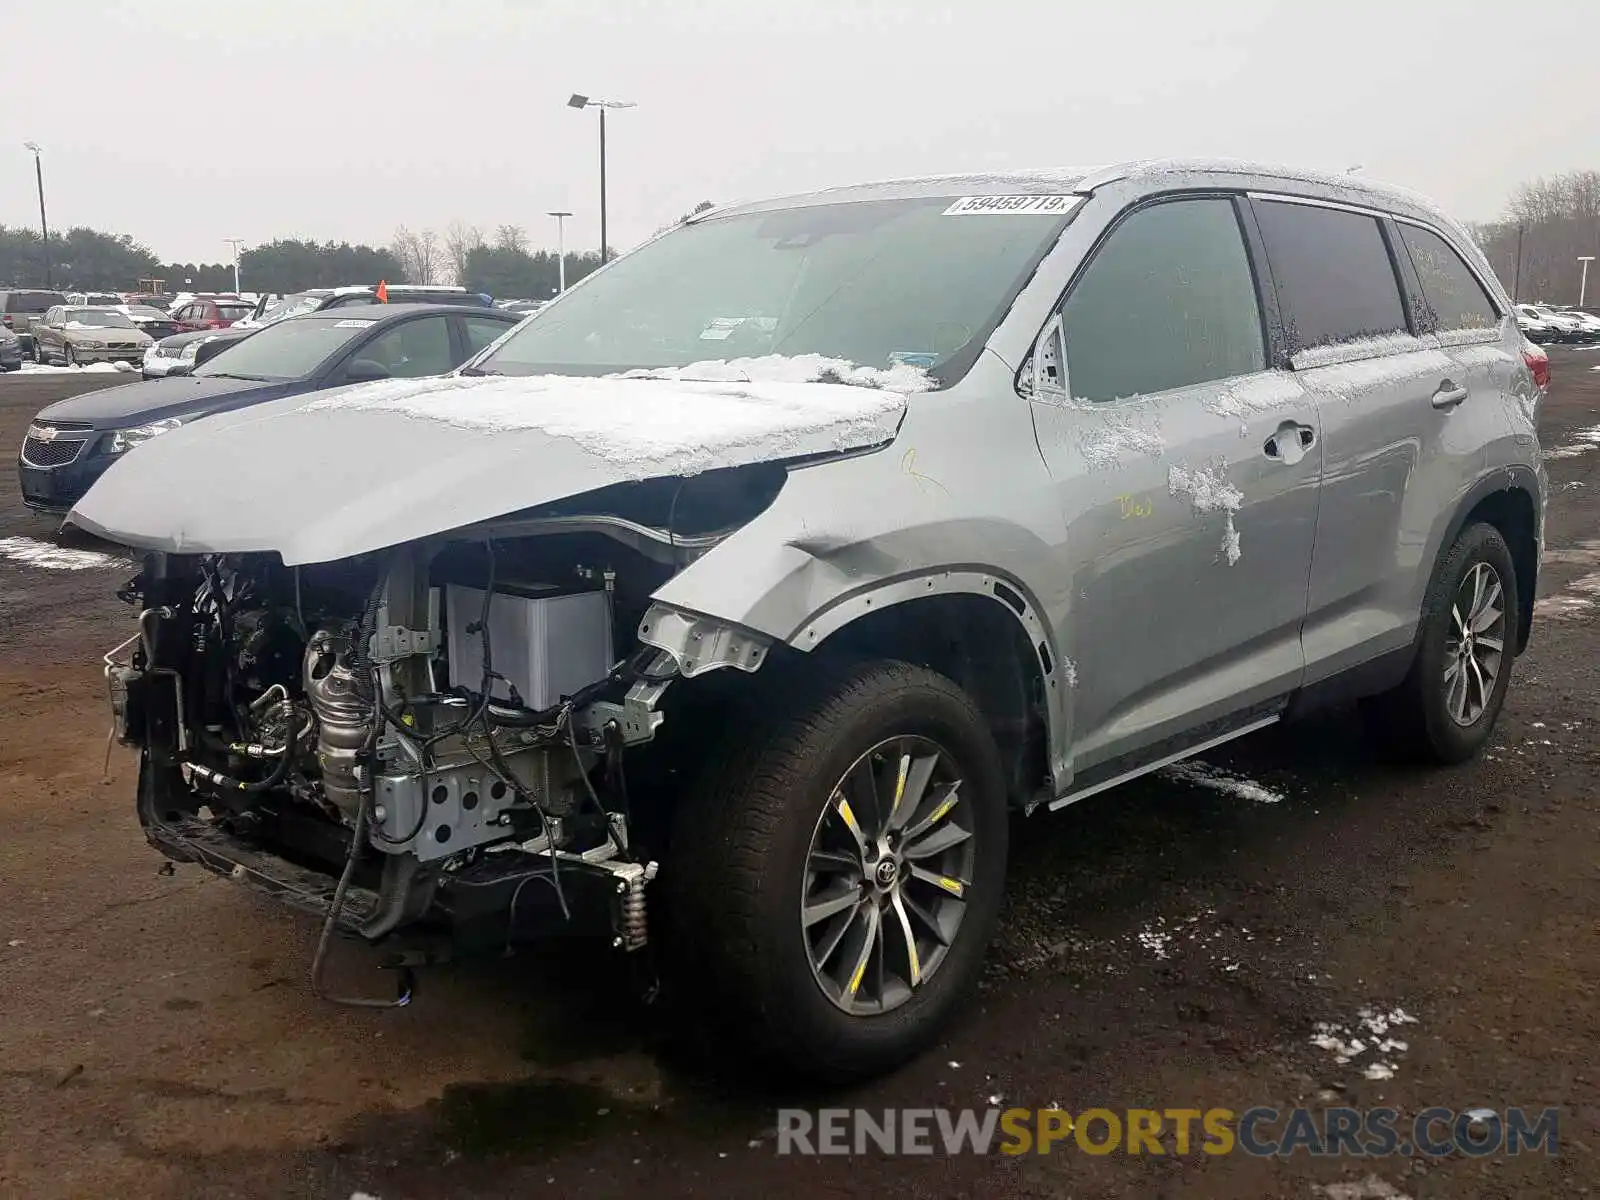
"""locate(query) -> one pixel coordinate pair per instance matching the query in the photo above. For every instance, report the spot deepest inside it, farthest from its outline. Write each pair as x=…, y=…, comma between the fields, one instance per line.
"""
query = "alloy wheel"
x=887, y=875
x=1475, y=646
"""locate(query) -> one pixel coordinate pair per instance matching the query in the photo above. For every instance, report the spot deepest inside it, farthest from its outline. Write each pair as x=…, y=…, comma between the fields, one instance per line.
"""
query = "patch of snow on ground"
x=795, y=368
x=1581, y=442
x=1205, y=775
x=1158, y=942
x=1209, y=491
x=1117, y=438
x=1578, y=600
x=645, y=425
x=35, y=553
x=1370, y=1188
x=1366, y=1032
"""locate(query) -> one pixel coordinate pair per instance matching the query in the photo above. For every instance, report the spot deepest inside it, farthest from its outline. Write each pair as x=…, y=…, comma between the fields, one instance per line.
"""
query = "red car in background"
x=211, y=314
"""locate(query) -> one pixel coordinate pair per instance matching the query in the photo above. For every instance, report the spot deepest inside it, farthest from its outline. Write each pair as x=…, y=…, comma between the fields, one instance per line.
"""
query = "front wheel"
x=69, y=356
x=837, y=879
x=1446, y=707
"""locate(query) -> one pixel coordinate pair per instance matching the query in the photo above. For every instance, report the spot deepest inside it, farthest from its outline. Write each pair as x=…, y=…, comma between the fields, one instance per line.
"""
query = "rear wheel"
x=38, y=353
x=1448, y=704
x=835, y=881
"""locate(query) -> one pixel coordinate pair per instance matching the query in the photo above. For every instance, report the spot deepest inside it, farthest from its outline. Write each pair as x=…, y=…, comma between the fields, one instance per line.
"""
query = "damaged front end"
x=423, y=746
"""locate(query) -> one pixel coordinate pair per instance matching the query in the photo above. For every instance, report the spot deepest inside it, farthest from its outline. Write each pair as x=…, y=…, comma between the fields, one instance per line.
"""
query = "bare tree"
x=417, y=253
x=1549, y=223
x=460, y=240
x=511, y=237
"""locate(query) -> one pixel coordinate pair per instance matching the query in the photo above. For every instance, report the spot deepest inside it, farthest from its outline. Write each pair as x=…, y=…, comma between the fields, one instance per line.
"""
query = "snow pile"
x=1209, y=491
x=99, y=367
x=1368, y=1032
x=35, y=553
x=1105, y=448
x=645, y=426
x=795, y=368
x=1206, y=776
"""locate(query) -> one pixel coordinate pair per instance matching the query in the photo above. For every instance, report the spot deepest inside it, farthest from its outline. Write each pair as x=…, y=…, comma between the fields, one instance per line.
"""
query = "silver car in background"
x=790, y=553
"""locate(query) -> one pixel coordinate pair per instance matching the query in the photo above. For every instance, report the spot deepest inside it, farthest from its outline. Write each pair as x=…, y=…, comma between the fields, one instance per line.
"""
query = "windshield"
x=292, y=306
x=97, y=318
x=875, y=283
x=140, y=312
x=287, y=350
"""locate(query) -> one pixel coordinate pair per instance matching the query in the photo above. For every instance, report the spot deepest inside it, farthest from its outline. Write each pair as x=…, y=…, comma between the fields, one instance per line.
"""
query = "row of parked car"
x=1546, y=323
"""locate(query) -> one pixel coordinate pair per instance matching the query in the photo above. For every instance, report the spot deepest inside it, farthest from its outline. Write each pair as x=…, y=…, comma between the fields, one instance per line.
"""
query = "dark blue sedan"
x=71, y=443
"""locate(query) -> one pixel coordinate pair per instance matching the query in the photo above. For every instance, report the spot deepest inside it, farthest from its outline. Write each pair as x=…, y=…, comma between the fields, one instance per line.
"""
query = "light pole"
x=578, y=101
x=235, y=243
x=1583, y=282
x=44, y=225
x=561, y=249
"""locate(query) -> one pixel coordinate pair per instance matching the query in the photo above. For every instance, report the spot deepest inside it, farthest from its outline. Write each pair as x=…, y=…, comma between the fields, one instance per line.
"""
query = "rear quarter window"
x=1455, y=298
x=1335, y=280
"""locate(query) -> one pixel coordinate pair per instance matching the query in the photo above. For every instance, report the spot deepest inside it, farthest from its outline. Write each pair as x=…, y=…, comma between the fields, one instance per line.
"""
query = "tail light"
x=1538, y=362
x=7, y=320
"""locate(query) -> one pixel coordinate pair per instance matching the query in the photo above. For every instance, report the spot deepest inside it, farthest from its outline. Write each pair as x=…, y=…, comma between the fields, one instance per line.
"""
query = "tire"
x=1427, y=717
x=69, y=356
x=746, y=838
x=38, y=354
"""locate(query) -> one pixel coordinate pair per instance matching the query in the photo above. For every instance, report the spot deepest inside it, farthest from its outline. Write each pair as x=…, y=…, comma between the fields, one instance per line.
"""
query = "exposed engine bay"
x=428, y=738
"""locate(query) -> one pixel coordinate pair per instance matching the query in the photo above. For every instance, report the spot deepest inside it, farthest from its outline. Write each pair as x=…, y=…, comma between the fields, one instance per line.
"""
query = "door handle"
x=1449, y=395
x=1290, y=443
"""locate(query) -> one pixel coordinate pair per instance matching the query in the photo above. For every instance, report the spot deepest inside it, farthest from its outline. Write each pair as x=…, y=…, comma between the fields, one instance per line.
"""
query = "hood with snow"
x=367, y=467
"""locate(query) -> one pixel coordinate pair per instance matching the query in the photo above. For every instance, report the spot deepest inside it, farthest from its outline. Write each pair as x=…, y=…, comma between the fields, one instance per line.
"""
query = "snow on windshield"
x=793, y=368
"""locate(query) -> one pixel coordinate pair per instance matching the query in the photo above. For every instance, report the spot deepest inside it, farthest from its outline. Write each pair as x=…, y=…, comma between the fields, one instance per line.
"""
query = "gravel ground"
x=1167, y=945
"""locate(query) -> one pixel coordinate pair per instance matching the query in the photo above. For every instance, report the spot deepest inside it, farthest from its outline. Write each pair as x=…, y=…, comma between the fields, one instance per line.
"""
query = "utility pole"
x=1583, y=283
x=561, y=245
x=589, y=102
x=1516, y=278
x=44, y=225
x=235, y=243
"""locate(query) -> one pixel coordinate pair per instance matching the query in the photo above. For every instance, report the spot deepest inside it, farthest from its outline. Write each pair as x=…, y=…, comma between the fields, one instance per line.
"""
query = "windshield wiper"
x=246, y=378
x=476, y=371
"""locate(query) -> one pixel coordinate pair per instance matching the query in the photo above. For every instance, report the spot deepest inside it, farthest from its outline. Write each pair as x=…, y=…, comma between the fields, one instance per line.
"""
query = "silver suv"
x=731, y=603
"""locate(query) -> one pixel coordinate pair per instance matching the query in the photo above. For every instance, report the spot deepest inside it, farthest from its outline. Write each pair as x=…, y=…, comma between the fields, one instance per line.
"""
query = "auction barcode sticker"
x=1005, y=206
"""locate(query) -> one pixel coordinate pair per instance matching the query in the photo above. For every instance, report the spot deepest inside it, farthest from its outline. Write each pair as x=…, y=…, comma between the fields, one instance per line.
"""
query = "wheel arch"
x=978, y=627
x=1507, y=499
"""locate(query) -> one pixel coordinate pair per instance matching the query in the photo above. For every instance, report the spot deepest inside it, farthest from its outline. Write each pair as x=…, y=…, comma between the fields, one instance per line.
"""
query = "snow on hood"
x=794, y=368
x=682, y=430
x=379, y=464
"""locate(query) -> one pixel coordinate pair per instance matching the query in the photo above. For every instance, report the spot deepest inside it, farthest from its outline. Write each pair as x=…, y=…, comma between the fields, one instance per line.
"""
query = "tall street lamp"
x=561, y=249
x=235, y=243
x=578, y=101
x=44, y=225
x=1583, y=283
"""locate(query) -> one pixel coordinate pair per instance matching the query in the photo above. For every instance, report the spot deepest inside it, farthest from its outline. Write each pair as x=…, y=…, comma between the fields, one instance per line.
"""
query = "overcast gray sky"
x=184, y=124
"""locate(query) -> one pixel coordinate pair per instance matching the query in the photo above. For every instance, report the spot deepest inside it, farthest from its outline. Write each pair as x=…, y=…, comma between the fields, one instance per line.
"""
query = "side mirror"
x=365, y=370
x=1044, y=376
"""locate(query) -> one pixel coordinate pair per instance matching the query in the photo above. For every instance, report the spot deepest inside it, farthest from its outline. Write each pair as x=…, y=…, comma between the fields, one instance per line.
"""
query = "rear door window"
x=1455, y=298
x=1168, y=301
x=1335, y=280
x=413, y=349
x=481, y=331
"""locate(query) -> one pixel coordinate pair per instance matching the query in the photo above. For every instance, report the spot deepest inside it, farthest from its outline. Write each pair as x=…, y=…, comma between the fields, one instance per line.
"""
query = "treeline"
x=1549, y=224
x=502, y=264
